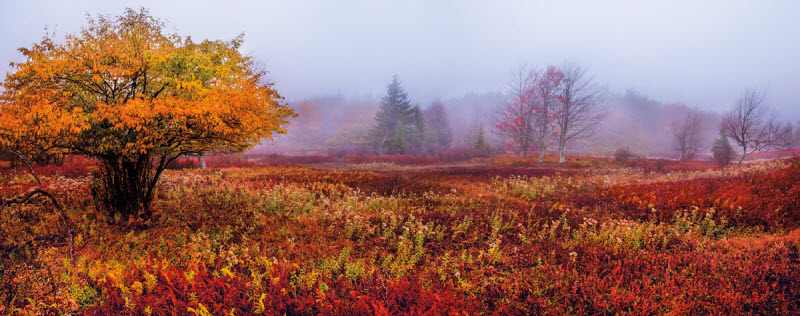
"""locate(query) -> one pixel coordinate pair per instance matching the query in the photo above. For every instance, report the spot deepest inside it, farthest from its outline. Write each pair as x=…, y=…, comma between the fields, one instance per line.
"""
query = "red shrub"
x=772, y=198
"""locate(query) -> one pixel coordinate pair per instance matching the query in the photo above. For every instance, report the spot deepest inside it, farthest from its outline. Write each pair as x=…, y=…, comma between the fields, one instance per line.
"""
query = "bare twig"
x=66, y=222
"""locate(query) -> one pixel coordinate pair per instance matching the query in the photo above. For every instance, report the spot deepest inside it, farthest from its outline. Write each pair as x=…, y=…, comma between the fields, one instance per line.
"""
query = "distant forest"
x=341, y=124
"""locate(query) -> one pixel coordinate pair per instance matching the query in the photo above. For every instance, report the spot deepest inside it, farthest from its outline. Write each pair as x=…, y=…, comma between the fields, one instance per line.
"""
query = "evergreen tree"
x=722, y=150
x=479, y=142
x=398, y=124
x=398, y=142
x=437, y=128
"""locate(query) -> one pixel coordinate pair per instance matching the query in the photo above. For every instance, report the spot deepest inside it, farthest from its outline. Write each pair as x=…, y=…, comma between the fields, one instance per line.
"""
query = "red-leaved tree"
x=526, y=121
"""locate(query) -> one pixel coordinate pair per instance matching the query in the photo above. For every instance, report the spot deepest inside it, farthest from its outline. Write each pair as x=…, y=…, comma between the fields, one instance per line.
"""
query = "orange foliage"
x=124, y=87
x=127, y=93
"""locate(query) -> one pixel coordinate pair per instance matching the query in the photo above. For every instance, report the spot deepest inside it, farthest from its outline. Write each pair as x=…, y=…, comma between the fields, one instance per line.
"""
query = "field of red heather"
x=491, y=236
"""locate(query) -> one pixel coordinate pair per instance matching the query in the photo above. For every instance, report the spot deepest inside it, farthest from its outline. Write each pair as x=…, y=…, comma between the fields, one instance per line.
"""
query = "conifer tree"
x=398, y=124
x=722, y=150
x=479, y=142
x=437, y=127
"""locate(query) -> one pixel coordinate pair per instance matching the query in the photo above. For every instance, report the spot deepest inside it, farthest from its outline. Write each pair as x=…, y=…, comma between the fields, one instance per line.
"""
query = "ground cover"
x=499, y=235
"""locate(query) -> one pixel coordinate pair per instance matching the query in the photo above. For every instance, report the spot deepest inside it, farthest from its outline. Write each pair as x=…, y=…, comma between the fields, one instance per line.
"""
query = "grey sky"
x=703, y=53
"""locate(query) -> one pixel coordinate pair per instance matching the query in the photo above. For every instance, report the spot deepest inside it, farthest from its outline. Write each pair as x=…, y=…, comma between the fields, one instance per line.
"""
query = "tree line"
x=556, y=105
x=552, y=107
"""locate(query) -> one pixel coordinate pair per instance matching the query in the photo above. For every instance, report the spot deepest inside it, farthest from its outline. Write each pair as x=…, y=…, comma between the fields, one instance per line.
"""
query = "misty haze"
x=399, y=157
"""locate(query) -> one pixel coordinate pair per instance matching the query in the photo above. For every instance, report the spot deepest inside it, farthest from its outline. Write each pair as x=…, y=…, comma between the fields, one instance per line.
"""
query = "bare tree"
x=546, y=94
x=515, y=118
x=751, y=126
x=780, y=135
x=579, y=112
x=687, y=135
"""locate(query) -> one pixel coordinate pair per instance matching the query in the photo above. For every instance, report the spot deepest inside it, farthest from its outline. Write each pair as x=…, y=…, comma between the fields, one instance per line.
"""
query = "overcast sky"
x=702, y=53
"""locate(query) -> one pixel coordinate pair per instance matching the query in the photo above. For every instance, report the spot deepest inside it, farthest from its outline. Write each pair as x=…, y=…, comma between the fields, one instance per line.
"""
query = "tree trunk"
x=125, y=187
x=744, y=153
x=541, y=155
x=381, y=144
x=202, y=162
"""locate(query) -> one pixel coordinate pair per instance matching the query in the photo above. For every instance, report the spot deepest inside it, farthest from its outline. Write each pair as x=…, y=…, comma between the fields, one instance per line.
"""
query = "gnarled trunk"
x=744, y=154
x=126, y=187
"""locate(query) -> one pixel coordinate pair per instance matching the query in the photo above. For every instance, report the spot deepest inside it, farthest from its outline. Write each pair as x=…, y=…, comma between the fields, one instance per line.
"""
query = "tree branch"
x=62, y=215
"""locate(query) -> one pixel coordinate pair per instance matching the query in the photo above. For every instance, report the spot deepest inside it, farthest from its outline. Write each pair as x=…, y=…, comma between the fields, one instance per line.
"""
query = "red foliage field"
x=496, y=236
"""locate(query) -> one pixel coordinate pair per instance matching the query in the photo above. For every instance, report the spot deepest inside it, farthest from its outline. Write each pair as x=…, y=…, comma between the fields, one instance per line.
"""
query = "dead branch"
x=66, y=222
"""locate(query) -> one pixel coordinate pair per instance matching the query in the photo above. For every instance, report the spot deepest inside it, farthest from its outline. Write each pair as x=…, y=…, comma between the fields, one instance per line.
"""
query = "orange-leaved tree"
x=134, y=97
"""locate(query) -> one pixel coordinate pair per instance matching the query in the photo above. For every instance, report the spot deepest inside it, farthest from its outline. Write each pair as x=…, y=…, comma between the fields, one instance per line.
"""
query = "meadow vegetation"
x=499, y=235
